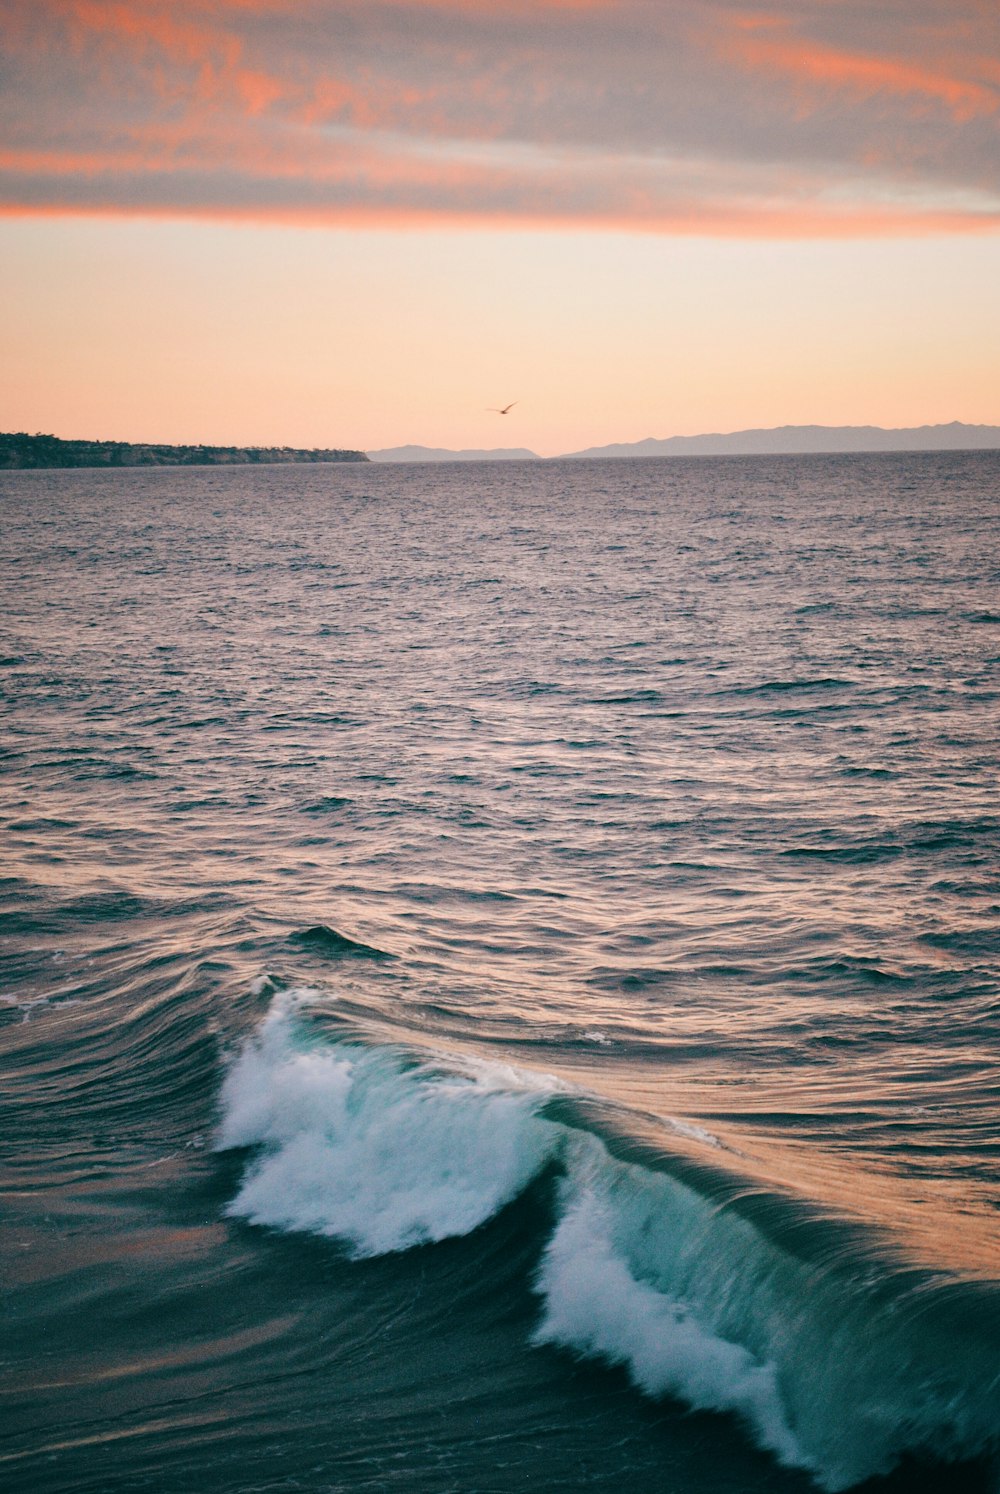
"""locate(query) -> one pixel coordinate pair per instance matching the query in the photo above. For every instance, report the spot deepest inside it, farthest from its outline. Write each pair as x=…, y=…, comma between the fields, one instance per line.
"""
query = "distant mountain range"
x=441, y=454
x=792, y=439
x=783, y=440
x=22, y=450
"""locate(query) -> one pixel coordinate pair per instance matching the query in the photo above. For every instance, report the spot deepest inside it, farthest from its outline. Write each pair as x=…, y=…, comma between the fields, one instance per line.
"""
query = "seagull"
x=493, y=410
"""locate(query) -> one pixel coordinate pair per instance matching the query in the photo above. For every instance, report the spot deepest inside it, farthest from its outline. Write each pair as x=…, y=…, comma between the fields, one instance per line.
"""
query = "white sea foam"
x=28, y=1005
x=359, y=1145
x=594, y=1304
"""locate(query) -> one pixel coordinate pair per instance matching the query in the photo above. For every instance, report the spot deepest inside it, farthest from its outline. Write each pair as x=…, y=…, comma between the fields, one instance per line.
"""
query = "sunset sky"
x=348, y=222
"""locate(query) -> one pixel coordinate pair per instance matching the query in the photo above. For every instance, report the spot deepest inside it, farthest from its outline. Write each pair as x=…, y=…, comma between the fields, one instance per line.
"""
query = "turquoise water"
x=499, y=976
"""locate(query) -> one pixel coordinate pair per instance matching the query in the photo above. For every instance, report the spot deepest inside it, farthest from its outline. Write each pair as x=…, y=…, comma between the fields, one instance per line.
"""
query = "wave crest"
x=360, y=1145
x=594, y=1305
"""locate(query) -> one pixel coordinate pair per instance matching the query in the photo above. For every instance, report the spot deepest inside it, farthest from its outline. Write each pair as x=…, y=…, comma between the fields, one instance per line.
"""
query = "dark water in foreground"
x=499, y=977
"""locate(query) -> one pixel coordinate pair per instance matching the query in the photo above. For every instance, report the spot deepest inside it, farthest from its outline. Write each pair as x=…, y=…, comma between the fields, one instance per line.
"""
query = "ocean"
x=499, y=977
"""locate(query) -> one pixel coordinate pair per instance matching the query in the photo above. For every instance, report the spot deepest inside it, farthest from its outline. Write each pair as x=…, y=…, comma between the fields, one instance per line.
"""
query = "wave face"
x=596, y=1303
x=835, y=1366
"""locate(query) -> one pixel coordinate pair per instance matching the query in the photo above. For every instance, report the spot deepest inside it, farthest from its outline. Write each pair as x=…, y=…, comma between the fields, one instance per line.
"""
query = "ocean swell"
x=837, y=1360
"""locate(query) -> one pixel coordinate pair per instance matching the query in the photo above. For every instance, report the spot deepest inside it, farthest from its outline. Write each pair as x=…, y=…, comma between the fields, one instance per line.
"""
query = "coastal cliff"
x=19, y=450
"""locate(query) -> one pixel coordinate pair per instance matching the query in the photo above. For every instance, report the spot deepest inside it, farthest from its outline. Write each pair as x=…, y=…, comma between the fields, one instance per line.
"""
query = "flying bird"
x=495, y=411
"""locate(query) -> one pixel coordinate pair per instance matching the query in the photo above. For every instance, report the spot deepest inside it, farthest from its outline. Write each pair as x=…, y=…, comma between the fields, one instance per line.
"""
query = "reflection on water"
x=668, y=782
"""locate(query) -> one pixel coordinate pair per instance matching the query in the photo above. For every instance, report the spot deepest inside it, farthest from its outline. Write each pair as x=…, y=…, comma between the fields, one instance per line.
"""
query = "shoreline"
x=21, y=452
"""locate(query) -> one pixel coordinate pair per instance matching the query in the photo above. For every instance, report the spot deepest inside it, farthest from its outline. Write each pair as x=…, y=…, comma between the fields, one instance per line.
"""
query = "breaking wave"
x=838, y=1360
x=364, y=1146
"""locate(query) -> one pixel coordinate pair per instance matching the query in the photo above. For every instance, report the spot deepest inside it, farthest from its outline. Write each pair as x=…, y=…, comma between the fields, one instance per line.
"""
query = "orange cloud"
x=150, y=25
x=374, y=180
x=602, y=112
x=151, y=32
x=756, y=46
x=691, y=220
x=258, y=90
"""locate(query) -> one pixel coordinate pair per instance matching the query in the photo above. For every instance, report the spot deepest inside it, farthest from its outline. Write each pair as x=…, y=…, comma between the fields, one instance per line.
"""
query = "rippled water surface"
x=499, y=976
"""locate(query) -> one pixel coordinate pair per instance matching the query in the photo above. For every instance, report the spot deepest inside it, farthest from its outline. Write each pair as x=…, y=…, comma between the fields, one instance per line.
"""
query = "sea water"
x=499, y=977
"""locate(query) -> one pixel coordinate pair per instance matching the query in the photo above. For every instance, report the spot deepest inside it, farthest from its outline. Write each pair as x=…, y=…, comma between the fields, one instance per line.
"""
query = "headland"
x=19, y=450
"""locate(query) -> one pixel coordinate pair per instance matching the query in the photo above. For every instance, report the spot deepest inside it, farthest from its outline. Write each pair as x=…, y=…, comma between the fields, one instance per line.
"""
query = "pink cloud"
x=766, y=44
x=694, y=117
